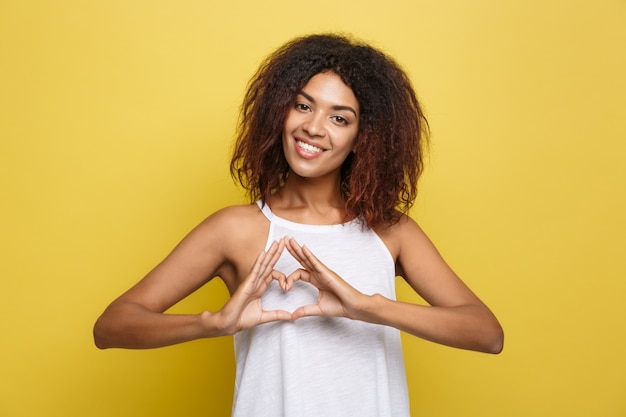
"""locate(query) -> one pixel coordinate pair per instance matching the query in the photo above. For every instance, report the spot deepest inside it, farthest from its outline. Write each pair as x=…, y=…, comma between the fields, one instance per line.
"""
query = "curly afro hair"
x=379, y=181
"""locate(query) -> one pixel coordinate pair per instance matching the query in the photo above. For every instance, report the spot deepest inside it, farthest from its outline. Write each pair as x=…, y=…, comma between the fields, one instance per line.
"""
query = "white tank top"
x=323, y=366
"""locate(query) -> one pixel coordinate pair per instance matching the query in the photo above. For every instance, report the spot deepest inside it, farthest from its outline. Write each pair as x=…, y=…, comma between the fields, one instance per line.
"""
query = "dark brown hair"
x=381, y=177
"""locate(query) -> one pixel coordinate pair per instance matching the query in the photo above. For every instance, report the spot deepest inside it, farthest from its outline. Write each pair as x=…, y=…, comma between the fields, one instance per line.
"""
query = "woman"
x=330, y=146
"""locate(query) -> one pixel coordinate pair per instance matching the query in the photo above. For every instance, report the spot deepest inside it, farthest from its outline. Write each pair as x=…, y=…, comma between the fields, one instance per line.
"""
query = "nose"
x=314, y=125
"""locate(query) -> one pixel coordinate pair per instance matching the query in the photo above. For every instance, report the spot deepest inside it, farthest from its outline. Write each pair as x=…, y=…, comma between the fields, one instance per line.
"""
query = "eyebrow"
x=336, y=107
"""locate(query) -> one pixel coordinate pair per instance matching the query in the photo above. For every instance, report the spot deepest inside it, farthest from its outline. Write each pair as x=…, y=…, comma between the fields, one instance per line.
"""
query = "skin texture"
x=229, y=244
x=328, y=121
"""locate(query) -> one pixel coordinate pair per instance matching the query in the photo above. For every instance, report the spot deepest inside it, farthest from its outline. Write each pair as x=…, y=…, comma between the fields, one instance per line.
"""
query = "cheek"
x=286, y=133
x=291, y=121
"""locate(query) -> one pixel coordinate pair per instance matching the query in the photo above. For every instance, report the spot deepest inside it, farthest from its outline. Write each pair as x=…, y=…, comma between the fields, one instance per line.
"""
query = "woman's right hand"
x=244, y=309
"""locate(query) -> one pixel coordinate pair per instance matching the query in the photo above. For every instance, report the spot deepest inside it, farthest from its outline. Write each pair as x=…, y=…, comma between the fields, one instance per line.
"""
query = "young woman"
x=330, y=147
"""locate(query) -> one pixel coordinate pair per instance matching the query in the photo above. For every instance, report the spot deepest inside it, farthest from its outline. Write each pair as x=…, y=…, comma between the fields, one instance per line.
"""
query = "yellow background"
x=116, y=119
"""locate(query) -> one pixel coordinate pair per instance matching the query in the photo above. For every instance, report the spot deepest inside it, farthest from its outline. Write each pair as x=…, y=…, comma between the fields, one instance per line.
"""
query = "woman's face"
x=321, y=128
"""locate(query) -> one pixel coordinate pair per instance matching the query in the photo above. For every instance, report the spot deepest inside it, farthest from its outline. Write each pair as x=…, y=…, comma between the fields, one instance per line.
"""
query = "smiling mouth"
x=309, y=148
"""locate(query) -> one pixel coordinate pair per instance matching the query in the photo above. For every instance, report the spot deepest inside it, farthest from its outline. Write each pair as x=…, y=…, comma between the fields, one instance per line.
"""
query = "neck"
x=310, y=200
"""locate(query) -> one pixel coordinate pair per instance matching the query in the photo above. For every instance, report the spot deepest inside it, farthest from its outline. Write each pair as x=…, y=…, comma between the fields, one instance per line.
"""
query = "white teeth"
x=309, y=148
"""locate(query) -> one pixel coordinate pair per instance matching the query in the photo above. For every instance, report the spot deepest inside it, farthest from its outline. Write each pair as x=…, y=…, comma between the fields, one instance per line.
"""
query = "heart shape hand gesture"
x=244, y=310
x=336, y=298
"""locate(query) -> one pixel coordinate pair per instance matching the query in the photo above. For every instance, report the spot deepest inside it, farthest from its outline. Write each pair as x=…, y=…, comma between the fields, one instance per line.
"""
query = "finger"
x=295, y=250
x=258, y=265
x=271, y=253
x=275, y=315
x=275, y=251
x=267, y=261
x=297, y=275
x=312, y=259
x=306, y=258
x=277, y=276
x=307, y=311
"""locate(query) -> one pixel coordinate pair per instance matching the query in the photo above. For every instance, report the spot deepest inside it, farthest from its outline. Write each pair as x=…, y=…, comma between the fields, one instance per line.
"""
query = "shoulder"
x=234, y=220
x=235, y=235
x=223, y=229
x=403, y=238
x=247, y=212
x=404, y=228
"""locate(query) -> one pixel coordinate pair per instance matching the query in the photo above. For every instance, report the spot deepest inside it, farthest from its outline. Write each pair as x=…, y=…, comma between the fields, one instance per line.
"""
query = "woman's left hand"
x=336, y=298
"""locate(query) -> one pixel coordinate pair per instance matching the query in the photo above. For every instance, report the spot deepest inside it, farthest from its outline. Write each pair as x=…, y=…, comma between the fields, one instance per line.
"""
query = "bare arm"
x=137, y=320
x=455, y=317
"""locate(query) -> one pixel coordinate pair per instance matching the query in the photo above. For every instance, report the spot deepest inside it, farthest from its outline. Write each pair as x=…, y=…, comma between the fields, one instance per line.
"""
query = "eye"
x=302, y=107
x=340, y=120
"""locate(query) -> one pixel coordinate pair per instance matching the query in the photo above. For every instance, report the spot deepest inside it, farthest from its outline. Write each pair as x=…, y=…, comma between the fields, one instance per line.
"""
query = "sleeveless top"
x=323, y=366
